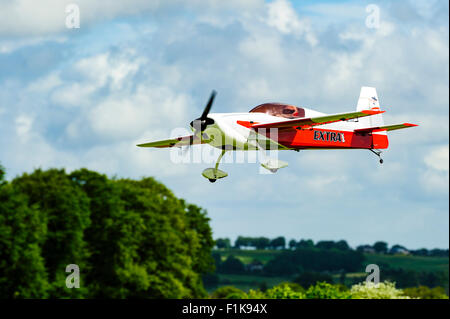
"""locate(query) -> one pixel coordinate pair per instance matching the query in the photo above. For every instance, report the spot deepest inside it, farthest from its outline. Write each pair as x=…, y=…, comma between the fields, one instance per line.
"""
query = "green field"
x=246, y=282
x=417, y=263
x=246, y=256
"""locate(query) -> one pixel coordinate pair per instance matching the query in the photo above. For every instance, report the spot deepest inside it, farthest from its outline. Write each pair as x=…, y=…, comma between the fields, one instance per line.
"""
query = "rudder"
x=368, y=100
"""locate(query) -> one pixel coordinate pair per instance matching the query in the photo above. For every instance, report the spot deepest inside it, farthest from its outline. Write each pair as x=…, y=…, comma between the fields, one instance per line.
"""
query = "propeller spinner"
x=201, y=123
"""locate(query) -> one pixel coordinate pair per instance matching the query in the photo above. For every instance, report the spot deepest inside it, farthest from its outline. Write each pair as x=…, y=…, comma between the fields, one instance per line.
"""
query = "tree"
x=278, y=243
x=217, y=260
x=439, y=252
x=64, y=209
x=228, y=292
x=381, y=247
x=130, y=239
x=223, y=243
x=162, y=243
x=22, y=232
x=341, y=245
x=421, y=252
x=308, y=243
x=292, y=244
x=285, y=291
x=232, y=265
x=309, y=278
x=199, y=223
x=2, y=173
x=325, y=244
x=210, y=280
x=282, y=265
x=241, y=241
x=260, y=242
x=324, y=290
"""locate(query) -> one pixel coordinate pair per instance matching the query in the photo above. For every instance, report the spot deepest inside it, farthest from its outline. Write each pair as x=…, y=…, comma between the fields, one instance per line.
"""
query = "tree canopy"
x=130, y=238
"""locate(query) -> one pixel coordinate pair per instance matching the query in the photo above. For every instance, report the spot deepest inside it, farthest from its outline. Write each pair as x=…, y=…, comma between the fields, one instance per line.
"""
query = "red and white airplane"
x=287, y=127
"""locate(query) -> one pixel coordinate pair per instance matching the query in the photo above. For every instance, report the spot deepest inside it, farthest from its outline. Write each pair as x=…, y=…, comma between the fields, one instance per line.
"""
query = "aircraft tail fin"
x=368, y=100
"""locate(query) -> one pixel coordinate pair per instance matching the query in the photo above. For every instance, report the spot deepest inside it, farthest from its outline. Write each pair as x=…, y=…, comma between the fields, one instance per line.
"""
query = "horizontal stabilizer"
x=385, y=128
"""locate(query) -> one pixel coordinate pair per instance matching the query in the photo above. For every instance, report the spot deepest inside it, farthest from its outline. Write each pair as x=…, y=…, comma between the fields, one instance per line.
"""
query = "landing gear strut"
x=213, y=174
x=377, y=153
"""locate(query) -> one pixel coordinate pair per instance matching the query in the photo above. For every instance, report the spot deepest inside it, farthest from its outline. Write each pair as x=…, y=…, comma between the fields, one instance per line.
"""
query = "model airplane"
x=287, y=127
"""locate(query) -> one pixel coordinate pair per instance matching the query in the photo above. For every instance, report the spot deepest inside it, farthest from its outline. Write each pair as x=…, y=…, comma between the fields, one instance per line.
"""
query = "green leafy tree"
x=217, y=260
x=282, y=265
x=310, y=278
x=130, y=239
x=292, y=244
x=278, y=243
x=308, y=243
x=22, y=269
x=198, y=222
x=223, y=243
x=380, y=247
x=159, y=243
x=341, y=245
x=103, y=234
x=260, y=242
x=232, y=265
x=241, y=242
x=2, y=173
x=284, y=291
x=64, y=209
x=324, y=290
x=228, y=292
x=325, y=244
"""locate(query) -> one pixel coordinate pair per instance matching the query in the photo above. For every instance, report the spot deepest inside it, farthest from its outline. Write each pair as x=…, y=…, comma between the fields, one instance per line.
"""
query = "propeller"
x=201, y=123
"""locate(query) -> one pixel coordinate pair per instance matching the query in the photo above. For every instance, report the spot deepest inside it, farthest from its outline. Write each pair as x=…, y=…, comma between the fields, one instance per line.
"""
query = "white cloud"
x=438, y=159
x=24, y=125
x=129, y=115
x=46, y=83
x=10, y=45
x=435, y=178
x=96, y=72
x=283, y=17
x=31, y=18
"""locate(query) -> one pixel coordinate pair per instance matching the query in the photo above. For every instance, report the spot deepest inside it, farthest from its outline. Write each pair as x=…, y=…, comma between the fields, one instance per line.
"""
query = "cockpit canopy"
x=280, y=110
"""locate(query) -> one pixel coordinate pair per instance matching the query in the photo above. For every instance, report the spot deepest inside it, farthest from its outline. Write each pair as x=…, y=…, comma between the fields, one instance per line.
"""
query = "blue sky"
x=135, y=70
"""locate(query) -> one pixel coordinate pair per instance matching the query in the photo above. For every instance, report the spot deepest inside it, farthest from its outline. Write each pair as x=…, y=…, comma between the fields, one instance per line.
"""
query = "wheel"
x=274, y=170
x=381, y=161
x=212, y=180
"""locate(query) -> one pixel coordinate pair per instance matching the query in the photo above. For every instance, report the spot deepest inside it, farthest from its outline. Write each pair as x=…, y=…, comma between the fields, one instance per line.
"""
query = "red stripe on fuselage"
x=325, y=138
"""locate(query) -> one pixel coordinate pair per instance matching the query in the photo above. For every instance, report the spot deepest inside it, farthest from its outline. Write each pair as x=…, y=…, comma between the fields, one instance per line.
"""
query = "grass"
x=417, y=263
x=247, y=256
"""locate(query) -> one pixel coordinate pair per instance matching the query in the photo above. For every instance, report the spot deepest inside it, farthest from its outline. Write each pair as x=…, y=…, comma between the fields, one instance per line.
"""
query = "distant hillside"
x=397, y=267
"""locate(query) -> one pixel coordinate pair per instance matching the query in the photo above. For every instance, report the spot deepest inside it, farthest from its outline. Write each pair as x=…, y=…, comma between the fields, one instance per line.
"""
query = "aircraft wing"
x=385, y=127
x=178, y=141
x=319, y=120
